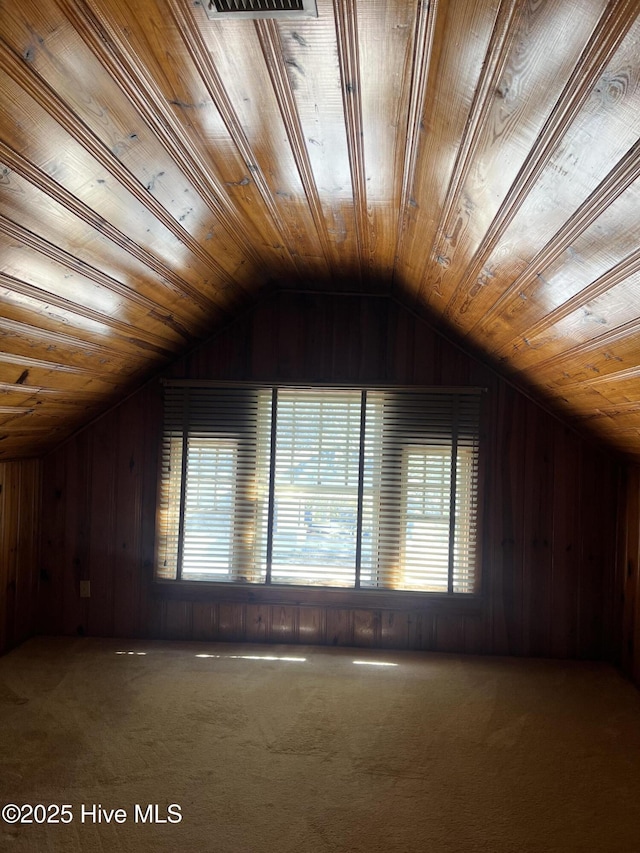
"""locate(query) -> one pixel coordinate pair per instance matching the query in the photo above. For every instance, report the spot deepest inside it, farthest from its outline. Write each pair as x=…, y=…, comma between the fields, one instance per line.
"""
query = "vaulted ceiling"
x=158, y=169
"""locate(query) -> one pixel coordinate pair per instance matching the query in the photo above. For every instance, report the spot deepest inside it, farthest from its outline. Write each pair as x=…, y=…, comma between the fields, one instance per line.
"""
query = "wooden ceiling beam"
x=627, y=332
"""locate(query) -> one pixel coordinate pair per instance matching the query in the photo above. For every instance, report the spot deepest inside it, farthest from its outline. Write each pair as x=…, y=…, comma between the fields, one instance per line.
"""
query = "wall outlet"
x=85, y=589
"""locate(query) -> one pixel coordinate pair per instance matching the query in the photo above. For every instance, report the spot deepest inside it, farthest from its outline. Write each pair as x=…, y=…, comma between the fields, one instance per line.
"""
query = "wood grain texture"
x=48, y=107
x=521, y=196
x=417, y=83
x=273, y=52
x=125, y=61
x=547, y=539
x=160, y=171
x=456, y=203
x=20, y=484
x=586, y=227
x=220, y=94
x=347, y=39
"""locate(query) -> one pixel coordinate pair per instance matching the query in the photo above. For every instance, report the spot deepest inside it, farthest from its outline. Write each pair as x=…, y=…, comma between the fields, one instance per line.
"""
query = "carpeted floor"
x=306, y=750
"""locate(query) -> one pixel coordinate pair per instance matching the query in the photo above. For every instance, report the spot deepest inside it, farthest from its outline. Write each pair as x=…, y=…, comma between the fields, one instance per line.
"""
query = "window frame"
x=381, y=597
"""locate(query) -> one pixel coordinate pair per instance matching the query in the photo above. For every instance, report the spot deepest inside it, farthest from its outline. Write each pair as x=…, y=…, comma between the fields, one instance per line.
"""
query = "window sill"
x=372, y=599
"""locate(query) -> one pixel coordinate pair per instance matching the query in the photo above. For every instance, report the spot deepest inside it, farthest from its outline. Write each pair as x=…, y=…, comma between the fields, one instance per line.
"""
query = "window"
x=209, y=503
x=350, y=488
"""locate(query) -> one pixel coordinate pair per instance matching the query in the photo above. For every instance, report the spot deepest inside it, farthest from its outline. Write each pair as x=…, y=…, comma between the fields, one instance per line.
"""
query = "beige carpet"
x=435, y=753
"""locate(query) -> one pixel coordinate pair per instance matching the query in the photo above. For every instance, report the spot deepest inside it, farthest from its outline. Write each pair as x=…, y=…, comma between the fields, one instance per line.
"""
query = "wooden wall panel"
x=548, y=514
x=628, y=574
x=128, y=527
x=503, y=528
x=102, y=510
x=20, y=484
x=394, y=629
x=204, y=620
x=53, y=559
x=598, y=541
x=565, y=549
x=538, y=532
x=312, y=625
x=76, y=550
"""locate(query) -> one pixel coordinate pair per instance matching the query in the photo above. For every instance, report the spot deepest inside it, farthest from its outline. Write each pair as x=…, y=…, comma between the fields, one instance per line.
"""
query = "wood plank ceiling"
x=157, y=169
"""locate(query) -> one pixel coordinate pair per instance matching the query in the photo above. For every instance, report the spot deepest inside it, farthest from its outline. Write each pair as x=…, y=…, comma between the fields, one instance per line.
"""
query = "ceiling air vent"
x=260, y=8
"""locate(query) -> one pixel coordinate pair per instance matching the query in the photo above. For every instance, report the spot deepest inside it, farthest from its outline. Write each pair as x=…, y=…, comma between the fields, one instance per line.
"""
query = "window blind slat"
x=411, y=447
x=316, y=487
x=347, y=486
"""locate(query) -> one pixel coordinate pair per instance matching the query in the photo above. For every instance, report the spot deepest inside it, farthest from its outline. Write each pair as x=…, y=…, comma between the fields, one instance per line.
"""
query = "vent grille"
x=260, y=8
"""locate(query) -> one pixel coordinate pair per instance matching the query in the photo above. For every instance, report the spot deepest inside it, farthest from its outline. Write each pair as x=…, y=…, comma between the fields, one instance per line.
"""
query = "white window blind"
x=316, y=487
x=426, y=451
x=214, y=484
x=329, y=487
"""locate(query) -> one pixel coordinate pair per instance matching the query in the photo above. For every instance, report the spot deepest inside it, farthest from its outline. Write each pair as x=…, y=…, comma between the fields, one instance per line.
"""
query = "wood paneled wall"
x=19, y=549
x=627, y=600
x=548, y=502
